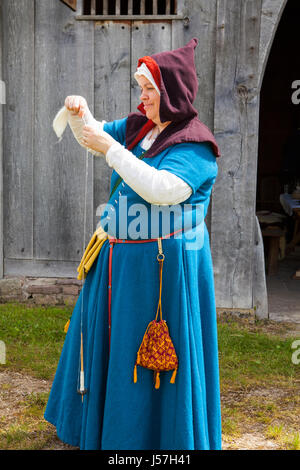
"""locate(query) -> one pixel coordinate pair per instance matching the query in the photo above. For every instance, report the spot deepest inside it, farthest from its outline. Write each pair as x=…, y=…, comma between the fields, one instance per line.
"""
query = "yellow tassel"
x=157, y=380
x=172, y=381
x=135, y=374
x=66, y=327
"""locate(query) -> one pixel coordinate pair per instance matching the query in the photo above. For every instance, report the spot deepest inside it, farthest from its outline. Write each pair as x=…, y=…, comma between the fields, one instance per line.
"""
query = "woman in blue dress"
x=164, y=166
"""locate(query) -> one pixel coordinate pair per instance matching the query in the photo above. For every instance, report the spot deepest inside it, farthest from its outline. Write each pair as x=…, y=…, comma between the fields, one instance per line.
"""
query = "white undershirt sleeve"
x=160, y=187
x=77, y=123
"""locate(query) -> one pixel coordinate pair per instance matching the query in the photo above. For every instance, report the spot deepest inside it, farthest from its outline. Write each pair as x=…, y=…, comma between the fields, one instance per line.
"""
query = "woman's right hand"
x=77, y=105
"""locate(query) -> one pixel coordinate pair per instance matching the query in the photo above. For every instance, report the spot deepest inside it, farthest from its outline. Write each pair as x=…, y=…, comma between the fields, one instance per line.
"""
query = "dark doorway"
x=278, y=170
x=279, y=115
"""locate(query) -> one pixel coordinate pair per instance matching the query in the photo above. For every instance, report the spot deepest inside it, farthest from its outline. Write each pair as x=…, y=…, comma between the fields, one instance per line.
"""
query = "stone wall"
x=65, y=291
x=42, y=291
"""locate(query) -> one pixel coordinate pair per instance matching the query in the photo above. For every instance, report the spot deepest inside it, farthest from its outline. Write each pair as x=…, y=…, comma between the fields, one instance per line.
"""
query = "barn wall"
x=244, y=38
x=236, y=120
x=18, y=44
x=49, y=55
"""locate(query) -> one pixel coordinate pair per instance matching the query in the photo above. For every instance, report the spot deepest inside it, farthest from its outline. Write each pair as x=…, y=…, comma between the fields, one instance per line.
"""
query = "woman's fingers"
x=75, y=104
x=82, y=108
x=96, y=140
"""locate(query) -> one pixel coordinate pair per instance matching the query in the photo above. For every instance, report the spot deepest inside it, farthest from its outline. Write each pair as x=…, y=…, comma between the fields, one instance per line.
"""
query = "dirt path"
x=251, y=441
x=15, y=388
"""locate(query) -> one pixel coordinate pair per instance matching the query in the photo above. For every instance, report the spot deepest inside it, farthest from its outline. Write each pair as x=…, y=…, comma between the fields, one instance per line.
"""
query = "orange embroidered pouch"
x=157, y=351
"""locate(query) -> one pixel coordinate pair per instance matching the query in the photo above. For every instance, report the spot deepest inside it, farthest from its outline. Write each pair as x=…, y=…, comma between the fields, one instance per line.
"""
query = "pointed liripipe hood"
x=175, y=75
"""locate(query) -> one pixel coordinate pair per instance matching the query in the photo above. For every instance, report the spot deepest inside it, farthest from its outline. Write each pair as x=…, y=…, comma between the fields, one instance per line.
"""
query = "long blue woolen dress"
x=116, y=413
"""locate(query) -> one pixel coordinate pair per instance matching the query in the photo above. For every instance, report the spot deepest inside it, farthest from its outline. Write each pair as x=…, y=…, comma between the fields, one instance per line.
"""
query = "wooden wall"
x=243, y=37
x=49, y=55
x=236, y=121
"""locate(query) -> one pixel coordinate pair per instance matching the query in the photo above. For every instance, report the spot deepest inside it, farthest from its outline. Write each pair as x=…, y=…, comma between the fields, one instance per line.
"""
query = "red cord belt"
x=112, y=242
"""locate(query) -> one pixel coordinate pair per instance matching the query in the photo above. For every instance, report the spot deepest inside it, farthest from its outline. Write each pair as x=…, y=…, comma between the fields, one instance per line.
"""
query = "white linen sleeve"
x=160, y=187
x=77, y=123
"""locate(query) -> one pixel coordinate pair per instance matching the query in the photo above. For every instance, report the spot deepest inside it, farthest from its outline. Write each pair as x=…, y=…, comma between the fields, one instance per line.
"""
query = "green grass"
x=259, y=383
x=248, y=357
x=30, y=431
x=252, y=359
x=290, y=440
x=33, y=336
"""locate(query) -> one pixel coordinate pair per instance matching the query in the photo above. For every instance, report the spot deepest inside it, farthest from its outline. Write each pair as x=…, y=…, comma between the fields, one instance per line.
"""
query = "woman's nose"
x=143, y=95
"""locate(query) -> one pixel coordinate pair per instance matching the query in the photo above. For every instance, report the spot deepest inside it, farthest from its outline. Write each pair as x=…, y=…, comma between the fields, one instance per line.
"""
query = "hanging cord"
x=160, y=259
x=81, y=389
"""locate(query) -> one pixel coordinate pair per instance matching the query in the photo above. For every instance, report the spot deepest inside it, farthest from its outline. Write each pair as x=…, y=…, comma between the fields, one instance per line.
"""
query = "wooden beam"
x=118, y=7
x=105, y=17
x=236, y=129
x=93, y=7
x=18, y=71
x=168, y=7
x=143, y=7
x=105, y=7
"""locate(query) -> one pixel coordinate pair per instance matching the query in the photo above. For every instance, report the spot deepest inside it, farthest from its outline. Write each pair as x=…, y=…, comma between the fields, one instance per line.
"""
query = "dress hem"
x=65, y=441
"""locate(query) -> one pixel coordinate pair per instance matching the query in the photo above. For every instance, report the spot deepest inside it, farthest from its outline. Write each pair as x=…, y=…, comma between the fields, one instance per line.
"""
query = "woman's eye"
x=147, y=89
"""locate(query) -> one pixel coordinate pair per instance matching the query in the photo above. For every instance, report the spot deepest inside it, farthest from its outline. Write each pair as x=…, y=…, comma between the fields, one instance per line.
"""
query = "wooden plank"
x=118, y=7
x=122, y=18
x=40, y=268
x=105, y=7
x=63, y=66
x=112, y=91
x=236, y=130
x=147, y=39
x=93, y=7
x=143, y=7
x=18, y=44
x=168, y=7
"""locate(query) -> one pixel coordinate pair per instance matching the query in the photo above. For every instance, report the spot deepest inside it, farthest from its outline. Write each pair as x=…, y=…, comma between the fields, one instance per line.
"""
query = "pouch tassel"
x=172, y=381
x=66, y=327
x=135, y=374
x=157, y=380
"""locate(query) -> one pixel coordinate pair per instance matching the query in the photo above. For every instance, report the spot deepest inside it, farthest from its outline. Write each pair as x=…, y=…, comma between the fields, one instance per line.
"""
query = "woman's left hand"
x=96, y=140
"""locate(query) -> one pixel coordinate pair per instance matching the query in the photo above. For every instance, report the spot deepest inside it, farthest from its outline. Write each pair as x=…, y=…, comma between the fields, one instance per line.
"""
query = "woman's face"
x=150, y=98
